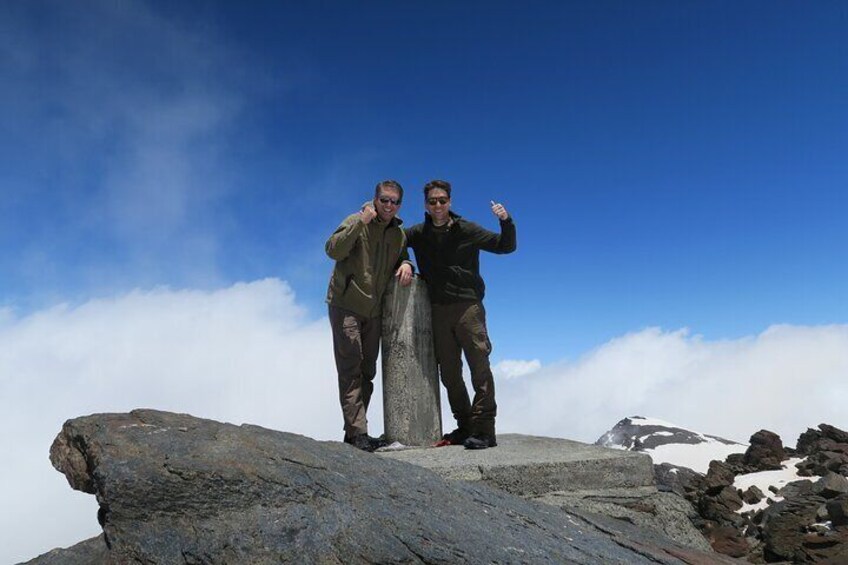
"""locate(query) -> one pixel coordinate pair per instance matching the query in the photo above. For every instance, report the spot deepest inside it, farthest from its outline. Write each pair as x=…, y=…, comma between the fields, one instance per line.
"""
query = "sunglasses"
x=434, y=201
x=387, y=200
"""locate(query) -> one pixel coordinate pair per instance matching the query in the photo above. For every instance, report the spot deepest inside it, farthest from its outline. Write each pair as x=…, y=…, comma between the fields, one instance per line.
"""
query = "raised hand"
x=367, y=213
x=499, y=211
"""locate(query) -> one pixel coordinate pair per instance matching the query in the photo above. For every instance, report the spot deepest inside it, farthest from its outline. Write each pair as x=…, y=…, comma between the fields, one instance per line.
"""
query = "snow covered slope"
x=669, y=443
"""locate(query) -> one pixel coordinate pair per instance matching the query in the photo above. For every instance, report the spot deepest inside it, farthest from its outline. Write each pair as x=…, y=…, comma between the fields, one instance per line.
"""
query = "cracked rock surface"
x=173, y=488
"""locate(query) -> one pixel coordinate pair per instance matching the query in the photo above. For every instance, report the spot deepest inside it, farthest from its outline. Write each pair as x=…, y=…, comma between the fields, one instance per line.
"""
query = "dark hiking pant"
x=356, y=342
x=461, y=328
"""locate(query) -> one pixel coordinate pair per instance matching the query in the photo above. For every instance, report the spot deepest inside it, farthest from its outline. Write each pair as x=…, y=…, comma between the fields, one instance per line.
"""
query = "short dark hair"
x=440, y=184
x=389, y=183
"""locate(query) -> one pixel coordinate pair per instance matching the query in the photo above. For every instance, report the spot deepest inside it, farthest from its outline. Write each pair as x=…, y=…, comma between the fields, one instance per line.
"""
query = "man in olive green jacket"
x=369, y=247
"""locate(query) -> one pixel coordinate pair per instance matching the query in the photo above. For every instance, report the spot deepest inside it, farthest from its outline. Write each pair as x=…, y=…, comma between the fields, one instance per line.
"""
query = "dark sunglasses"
x=434, y=201
x=387, y=200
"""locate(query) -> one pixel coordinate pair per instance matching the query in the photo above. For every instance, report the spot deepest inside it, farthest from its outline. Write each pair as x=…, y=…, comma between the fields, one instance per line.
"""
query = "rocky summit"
x=173, y=488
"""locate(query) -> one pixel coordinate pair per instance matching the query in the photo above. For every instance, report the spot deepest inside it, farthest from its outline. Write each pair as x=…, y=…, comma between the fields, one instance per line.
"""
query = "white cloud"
x=248, y=353
x=786, y=379
x=242, y=354
x=514, y=368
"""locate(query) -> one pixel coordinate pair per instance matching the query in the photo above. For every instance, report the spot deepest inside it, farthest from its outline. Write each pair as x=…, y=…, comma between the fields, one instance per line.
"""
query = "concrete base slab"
x=532, y=465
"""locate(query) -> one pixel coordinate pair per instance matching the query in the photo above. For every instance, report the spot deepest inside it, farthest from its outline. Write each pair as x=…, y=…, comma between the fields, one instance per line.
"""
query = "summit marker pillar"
x=411, y=395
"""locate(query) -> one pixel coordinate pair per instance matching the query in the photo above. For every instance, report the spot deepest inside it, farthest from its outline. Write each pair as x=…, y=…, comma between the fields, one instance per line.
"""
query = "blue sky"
x=171, y=170
x=669, y=164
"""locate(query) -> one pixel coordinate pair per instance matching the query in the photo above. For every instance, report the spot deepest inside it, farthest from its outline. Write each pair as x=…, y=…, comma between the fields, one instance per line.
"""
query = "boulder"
x=828, y=547
x=173, y=488
x=753, y=495
x=795, y=489
x=785, y=525
x=837, y=510
x=726, y=540
x=820, y=463
x=719, y=476
x=765, y=452
x=834, y=433
x=722, y=507
x=679, y=480
x=826, y=438
x=831, y=485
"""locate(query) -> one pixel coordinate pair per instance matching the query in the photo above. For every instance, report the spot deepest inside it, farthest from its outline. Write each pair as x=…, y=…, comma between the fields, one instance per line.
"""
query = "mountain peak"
x=669, y=443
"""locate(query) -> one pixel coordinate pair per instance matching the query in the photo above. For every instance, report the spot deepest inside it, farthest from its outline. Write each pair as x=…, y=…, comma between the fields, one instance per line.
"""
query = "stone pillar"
x=411, y=407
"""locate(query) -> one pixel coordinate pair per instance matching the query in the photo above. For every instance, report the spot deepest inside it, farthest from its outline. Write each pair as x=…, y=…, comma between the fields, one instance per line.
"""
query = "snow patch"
x=694, y=456
x=764, y=479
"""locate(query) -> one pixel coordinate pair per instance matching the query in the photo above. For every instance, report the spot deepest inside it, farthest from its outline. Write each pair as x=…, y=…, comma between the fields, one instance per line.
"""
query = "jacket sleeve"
x=504, y=242
x=404, y=251
x=404, y=258
x=343, y=240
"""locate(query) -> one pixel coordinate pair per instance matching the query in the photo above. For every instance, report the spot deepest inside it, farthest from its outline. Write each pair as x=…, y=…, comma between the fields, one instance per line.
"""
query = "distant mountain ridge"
x=668, y=443
x=638, y=433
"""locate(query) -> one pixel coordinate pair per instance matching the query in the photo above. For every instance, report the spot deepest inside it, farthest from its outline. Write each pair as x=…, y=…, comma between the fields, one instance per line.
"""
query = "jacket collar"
x=428, y=219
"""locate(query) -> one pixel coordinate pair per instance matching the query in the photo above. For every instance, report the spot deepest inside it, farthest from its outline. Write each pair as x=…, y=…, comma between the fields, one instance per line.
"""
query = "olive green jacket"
x=367, y=256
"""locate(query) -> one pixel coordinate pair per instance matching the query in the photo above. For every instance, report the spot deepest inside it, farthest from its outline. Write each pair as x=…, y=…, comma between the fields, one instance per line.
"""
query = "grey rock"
x=722, y=507
x=177, y=489
x=88, y=552
x=574, y=476
x=831, y=485
x=796, y=489
x=784, y=526
x=663, y=512
x=820, y=463
x=679, y=480
x=837, y=510
x=753, y=495
x=719, y=476
x=533, y=465
x=834, y=433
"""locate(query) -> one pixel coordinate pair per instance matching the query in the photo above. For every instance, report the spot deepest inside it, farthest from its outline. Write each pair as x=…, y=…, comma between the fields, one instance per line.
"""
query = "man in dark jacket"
x=447, y=252
x=369, y=247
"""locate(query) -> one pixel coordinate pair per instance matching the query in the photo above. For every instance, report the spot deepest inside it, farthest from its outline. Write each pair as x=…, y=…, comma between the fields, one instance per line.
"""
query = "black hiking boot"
x=480, y=441
x=378, y=442
x=456, y=437
x=361, y=441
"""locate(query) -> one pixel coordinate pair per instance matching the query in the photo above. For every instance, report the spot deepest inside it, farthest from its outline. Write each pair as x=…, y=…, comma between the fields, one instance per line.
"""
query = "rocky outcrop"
x=826, y=449
x=806, y=521
x=765, y=452
x=177, y=489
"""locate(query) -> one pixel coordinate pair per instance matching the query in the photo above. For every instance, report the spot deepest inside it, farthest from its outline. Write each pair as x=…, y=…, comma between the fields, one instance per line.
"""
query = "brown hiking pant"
x=356, y=342
x=461, y=328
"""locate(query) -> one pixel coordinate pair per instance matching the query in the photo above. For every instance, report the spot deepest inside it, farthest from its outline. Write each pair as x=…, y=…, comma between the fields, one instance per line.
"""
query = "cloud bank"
x=785, y=379
x=248, y=353
x=241, y=354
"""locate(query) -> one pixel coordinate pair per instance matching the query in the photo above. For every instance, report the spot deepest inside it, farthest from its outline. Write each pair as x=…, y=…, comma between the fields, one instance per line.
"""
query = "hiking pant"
x=356, y=342
x=461, y=328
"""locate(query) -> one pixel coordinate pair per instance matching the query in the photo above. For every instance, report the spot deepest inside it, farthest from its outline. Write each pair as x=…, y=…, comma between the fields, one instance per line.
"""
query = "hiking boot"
x=378, y=442
x=457, y=437
x=480, y=441
x=362, y=441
